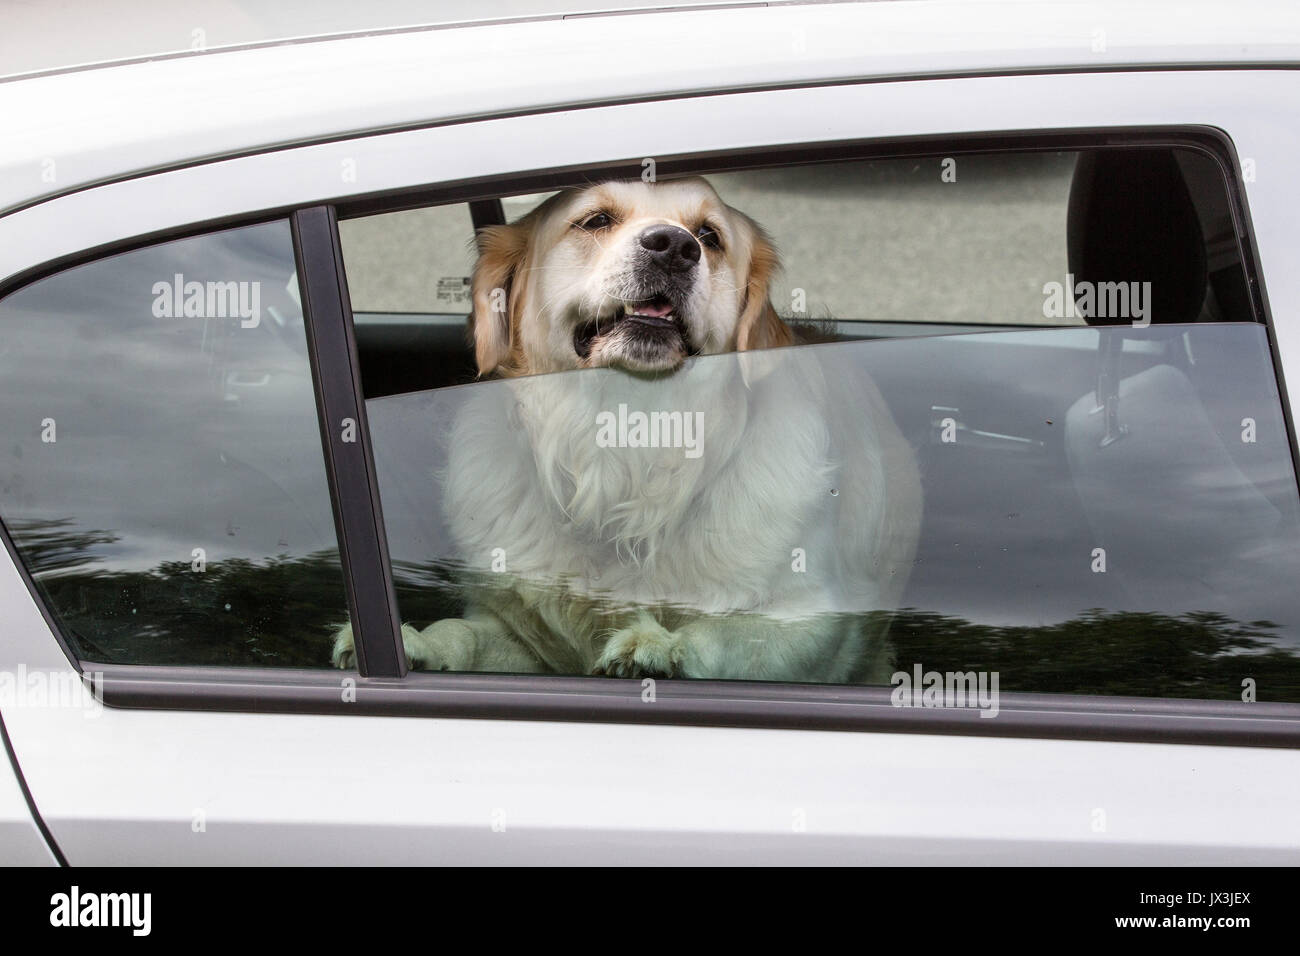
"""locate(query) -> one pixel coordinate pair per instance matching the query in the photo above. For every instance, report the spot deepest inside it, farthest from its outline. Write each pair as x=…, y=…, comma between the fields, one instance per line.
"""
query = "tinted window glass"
x=1160, y=564
x=162, y=474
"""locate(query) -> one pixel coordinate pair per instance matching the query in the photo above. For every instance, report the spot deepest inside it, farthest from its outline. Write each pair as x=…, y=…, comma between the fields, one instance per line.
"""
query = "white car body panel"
x=21, y=842
x=99, y=124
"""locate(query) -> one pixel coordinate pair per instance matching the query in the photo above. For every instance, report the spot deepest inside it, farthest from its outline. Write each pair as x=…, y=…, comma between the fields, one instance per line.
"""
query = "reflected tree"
x=283, y=611
x=280, y=612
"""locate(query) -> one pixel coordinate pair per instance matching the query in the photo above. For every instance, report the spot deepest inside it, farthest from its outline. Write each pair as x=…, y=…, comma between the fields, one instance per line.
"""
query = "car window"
x=647, y=477
x=162, y=476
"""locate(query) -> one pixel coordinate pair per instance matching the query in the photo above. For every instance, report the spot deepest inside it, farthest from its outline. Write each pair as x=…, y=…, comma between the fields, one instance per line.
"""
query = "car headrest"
x=1131, y=219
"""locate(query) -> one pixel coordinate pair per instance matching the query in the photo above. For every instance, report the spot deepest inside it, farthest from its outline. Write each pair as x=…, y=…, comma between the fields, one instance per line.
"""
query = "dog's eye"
x=601, y=220
x=709, y=236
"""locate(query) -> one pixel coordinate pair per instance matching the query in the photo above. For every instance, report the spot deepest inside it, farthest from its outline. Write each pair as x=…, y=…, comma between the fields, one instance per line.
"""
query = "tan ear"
x=501, y=249
x=760, y=327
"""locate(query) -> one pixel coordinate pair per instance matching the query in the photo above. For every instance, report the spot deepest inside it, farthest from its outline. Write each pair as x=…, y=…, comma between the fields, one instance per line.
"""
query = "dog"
x=704, y=501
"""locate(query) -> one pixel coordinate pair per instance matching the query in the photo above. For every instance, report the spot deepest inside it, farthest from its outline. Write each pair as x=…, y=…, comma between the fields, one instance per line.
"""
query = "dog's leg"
x=345, y=652
x=477, y=642
x=829, y=648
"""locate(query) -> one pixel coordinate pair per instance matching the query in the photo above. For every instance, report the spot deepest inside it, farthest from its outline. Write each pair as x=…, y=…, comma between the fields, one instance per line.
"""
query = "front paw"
x=444, y=645
x=645, y=649
x=344, y=655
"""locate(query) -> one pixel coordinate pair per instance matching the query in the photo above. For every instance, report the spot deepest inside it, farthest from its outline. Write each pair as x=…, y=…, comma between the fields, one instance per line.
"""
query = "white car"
x=1060, y=239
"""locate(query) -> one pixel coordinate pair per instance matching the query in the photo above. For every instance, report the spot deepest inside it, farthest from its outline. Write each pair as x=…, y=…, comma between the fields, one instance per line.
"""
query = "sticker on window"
x=453, y=291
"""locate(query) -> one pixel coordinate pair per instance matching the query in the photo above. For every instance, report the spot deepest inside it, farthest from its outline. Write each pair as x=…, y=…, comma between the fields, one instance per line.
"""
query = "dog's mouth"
x=644, y=324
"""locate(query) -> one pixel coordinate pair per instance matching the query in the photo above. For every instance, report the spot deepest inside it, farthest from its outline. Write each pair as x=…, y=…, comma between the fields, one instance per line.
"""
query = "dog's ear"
x=760, y=327
x=501, y=250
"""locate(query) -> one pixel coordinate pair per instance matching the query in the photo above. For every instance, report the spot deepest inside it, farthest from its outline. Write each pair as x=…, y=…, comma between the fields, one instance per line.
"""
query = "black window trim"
x=705, y=703
x=383, y=689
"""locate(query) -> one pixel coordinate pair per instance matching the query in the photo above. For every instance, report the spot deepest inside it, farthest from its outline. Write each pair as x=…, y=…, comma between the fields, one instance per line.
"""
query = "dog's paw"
x=645, y=649
x=344, y=655
x=446, y=645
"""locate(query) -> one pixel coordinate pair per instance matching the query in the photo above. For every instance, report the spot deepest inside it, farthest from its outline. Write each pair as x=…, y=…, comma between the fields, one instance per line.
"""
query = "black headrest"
x=1131, y=219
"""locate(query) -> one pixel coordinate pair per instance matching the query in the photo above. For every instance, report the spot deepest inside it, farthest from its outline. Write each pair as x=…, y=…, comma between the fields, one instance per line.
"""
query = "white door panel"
x=21, y=842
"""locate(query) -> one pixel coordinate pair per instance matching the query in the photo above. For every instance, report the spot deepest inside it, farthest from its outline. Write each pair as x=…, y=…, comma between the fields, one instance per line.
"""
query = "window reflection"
x=163, y=476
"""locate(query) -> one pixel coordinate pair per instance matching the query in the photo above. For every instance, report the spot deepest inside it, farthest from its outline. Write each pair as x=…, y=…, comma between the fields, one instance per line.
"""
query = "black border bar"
x=345, y=436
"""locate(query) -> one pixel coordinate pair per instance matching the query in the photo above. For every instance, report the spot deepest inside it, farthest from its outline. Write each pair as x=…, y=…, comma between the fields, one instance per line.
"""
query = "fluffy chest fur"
x=710, y=527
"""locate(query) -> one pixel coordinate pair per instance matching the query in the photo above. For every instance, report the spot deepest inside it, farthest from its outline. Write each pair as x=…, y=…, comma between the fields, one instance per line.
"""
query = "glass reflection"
x=163, y=476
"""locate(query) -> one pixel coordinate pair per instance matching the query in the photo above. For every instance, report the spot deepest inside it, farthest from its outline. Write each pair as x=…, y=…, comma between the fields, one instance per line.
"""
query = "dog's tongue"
x=655, y=308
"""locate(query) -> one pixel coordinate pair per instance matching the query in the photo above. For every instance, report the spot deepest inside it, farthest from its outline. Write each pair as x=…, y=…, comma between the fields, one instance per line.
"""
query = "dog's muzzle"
x=646, y=315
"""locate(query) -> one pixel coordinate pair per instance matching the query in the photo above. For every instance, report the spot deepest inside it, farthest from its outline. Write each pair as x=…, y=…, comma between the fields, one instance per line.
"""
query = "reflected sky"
x=172, y=433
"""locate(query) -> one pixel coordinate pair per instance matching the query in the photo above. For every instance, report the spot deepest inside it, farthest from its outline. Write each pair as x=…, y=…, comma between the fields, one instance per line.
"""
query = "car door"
x=229, y=496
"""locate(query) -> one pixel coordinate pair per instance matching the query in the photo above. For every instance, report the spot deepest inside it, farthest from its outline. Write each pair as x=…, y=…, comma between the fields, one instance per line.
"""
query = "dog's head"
x=632, y=275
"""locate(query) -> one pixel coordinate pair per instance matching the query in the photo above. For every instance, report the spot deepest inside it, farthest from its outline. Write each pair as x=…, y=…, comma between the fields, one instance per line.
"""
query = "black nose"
x=671, y=248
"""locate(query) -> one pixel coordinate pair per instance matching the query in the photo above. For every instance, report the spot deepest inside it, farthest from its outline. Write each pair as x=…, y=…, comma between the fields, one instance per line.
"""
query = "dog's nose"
x=671, y=248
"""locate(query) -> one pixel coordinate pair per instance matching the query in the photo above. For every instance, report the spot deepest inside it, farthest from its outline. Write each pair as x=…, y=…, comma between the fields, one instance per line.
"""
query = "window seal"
x=703, y=703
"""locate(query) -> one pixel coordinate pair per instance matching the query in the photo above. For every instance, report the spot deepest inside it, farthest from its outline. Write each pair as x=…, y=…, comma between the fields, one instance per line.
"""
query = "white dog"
x=750, y=515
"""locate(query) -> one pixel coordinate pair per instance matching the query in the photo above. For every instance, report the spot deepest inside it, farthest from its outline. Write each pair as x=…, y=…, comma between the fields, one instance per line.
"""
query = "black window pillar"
x=354, y=491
